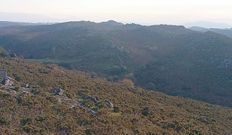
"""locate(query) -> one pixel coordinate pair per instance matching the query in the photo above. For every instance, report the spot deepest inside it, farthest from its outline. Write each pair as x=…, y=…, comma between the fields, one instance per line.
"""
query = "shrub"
x=116, y=109
x=25, y=121
x=26, y=129
x=3, y=52
x=196, y=132
x=3, y=121
x=89, y=132
x=145, y=111
x=40, y=118
x=18, y=78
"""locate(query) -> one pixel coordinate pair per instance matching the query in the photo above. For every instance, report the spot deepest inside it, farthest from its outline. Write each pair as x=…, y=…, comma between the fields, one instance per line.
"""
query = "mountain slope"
x=171, y=59
x=32, y=109
x=226, y=32
x=10, y=24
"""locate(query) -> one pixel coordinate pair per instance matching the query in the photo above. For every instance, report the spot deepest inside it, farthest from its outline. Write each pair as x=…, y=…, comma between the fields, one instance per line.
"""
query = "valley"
x=167, y=58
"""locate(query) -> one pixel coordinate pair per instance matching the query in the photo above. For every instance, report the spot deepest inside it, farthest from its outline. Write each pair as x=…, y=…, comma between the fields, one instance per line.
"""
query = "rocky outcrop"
x=57, y=91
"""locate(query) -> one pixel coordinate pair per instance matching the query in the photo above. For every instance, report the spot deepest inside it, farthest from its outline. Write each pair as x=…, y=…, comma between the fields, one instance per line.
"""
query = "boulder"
x=109, y=104
x=57, y=91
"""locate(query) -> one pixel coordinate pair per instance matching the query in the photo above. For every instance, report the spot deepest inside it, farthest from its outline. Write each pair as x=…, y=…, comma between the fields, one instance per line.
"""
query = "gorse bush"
x=82, y=109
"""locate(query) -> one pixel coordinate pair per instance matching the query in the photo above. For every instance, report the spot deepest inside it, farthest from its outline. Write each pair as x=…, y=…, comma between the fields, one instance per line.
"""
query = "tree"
x=3, y=52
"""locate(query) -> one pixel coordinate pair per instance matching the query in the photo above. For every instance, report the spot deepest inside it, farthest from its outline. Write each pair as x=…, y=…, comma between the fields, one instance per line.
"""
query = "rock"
x=57, y=91
x=92, y=112
x=63, y=132
x=109, y=104
x=26, y=85
x=93, y=99
x=7, y=81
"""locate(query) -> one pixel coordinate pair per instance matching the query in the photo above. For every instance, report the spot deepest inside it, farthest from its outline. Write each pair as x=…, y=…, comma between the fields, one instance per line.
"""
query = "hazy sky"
x=138, y=11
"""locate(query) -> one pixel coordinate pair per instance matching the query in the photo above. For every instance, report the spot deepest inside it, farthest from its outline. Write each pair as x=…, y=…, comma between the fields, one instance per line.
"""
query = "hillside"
x=171, y=59
x=29, y=107
x=10, y=24
x=227, y=32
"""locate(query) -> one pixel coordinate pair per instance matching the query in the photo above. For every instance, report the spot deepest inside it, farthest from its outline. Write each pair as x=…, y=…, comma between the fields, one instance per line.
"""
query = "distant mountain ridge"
x=168, y=58
x=226, y=32
x=8, y=24
x=206, y=24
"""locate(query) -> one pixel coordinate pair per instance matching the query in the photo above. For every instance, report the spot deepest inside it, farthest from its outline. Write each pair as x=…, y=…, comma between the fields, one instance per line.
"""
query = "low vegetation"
x=33, y=109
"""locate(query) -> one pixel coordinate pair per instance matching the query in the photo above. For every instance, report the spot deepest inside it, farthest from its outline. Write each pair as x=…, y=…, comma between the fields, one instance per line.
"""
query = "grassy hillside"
x=171, y=59
x=33, y=109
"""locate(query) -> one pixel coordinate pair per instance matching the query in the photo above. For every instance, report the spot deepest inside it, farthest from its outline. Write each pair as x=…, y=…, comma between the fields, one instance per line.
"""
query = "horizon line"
x=187, y=25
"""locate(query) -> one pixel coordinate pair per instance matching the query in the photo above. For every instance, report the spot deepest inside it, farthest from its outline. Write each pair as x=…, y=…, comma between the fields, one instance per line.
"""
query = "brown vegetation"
x=135, y=110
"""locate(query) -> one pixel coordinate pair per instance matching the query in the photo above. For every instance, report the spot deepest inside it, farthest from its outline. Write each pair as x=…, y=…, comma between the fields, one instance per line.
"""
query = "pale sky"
x=127, y=11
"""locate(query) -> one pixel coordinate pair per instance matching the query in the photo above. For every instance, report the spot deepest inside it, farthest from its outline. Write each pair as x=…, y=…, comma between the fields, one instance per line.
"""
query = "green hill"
x=171, y=59
x=93, y=106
